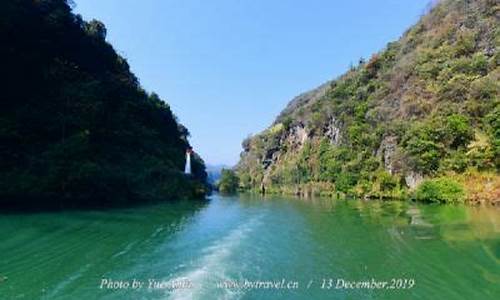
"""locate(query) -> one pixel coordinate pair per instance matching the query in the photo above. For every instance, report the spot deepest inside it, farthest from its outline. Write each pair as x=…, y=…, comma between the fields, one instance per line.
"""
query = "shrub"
x=455, y=161
x=458, y=130
x=440, y=190
x=465, y=43
x=480, y=152
x=386, y=181
x=229, y=181
x=287, y=122
x=424, y=152
x=345, y=181
x=456, y=89
x=484, y=88
x=493, y=122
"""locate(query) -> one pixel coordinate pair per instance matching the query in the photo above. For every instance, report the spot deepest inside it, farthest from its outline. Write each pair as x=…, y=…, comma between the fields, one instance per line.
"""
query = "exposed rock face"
x=333, y=132
x=297, y=136
x=413, y=179
x=387, y=153
x=294, y=139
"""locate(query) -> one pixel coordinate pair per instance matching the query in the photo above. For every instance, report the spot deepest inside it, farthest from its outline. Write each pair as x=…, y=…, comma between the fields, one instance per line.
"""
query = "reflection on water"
x=452, y=252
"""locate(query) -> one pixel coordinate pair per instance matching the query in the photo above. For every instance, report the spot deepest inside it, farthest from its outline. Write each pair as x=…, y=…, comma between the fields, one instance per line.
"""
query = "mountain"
x=214, y=172
x=76, y=128
x=423, y=110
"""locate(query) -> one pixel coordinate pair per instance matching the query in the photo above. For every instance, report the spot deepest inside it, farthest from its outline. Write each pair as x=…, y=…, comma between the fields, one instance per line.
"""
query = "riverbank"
x=180, y=189
x=472, y=188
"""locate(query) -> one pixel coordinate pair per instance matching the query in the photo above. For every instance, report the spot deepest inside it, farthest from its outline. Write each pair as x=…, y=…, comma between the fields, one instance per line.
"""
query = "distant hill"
x=76, y=128
x=427, y=106
x=214, y=172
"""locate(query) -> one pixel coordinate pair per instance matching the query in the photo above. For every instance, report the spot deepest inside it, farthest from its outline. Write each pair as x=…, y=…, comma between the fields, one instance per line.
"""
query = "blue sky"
x=228, y=67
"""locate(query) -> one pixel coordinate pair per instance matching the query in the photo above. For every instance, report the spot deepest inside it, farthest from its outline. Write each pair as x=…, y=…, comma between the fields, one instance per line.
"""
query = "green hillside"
x=426, y=106
x=76, y=128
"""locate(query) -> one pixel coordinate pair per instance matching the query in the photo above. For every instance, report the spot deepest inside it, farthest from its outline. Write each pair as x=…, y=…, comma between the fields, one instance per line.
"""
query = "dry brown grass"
x=481, y=187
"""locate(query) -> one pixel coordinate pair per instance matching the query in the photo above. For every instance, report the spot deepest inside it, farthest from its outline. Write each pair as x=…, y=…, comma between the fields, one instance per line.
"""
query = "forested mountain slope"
x=76, y=128
x=426, y=106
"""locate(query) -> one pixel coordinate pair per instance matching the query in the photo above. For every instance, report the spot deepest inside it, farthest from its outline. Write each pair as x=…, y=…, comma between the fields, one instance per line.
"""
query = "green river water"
x=247, y=247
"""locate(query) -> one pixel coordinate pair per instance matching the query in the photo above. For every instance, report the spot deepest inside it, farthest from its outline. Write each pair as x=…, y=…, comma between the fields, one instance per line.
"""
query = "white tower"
x=187, y=169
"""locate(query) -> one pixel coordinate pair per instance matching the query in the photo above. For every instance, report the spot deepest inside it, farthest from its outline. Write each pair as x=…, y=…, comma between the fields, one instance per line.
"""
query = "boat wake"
x=213, y=267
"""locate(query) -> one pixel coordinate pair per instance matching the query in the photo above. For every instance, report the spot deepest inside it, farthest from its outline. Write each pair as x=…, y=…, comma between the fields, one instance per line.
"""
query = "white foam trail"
x=125, y=250
x=212, y=266
x=63, y=284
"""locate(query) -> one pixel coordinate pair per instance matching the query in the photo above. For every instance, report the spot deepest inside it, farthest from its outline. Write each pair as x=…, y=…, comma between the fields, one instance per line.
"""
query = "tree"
x=229, y=181
x=97, y=29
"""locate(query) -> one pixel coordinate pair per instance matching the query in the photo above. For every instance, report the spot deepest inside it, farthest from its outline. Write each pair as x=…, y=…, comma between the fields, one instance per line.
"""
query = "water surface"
x=224, y=247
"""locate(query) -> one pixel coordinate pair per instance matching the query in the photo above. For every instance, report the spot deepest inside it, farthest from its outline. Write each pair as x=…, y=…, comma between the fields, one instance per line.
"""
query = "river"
x=248, y=247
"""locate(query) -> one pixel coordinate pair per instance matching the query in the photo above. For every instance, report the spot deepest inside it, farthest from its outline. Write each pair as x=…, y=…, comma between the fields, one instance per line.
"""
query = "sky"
x=228, y=67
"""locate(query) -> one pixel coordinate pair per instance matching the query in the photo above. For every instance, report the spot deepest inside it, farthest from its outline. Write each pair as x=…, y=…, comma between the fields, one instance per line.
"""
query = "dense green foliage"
x=76, y=127
x=426, y=105
x=228, y=182
x=429, y=143
x=440, y=190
